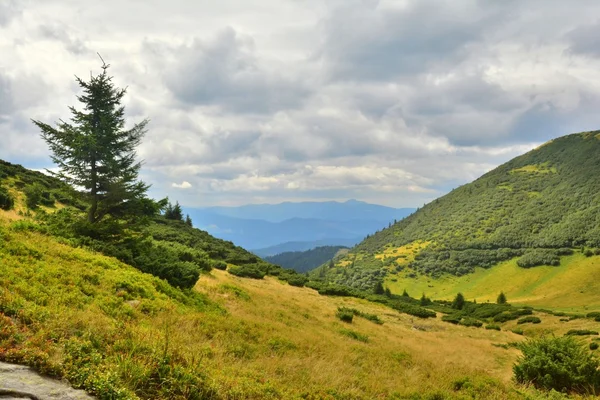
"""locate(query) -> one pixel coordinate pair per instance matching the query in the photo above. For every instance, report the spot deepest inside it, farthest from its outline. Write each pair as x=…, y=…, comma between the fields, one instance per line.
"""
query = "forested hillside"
x=539, y=206
x=304, y=261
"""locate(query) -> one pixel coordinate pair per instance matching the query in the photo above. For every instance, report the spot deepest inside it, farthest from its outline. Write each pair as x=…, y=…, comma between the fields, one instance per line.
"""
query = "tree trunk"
x=94, y=193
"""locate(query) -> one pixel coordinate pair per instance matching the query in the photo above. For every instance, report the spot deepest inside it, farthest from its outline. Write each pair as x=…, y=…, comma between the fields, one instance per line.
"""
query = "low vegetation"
x=558, y=363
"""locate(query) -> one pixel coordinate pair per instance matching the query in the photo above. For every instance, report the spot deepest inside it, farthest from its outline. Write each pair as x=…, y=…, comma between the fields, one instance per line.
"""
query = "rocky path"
x=18, y=382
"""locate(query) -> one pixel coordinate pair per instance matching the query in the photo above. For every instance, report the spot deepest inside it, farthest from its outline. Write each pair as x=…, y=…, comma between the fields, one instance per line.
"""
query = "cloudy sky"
x=394, y=102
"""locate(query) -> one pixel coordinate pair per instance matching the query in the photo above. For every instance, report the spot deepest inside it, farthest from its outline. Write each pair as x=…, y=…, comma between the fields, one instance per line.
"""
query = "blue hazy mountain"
x=258, y=226
x=303, y=246
x=328, y=210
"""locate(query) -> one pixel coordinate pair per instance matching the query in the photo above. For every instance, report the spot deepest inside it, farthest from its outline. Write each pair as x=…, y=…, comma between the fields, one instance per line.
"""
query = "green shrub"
x=513, y=314
x=345, y=315
x=36, y=194
x=358, y=313
x=459, y=301
x=492, y=327
x=413, y=310
x=219, y=264
x=7, y=202
x=471, y=322
x=593, y=315
x=501, y=298
x=247, y=271
x=453, y=319
x=529, y=319
x=517, y=331
x=536, y=257
x=425, y=301
x=593, y=346
x=371, y=317
x=581, y=332
x=336, y=290
x=294, y=279
x=559, y=363
x=354, y=335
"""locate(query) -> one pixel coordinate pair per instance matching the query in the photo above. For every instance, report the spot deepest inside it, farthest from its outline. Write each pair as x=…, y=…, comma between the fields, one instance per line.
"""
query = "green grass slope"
x=534, y=210
x=166, y=248
x=569, y=287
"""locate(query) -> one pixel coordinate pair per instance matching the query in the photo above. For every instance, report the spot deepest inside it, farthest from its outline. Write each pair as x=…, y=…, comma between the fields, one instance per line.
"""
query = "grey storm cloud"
x=9, y=9
x=60, y=33
x=6, y=101
x=584, y=40
x=365, y=40
x=226, y=72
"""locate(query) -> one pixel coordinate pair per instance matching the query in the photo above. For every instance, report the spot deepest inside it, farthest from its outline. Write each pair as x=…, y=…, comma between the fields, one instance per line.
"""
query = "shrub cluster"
x=247, y=271
x=537, y=257
x=529, y=320
x=7, y=202
x=559, y=363
x=37, y=195
x=513, y=314
x=355, y=335
x=582, y=332
x=345, y=315
x=346, y=310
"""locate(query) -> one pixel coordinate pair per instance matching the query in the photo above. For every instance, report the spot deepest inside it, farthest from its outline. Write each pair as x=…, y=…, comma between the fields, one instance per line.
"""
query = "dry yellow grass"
x=401, y=357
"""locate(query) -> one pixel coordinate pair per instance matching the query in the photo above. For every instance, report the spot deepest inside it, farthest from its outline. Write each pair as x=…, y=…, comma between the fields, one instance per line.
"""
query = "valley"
x=164, y=310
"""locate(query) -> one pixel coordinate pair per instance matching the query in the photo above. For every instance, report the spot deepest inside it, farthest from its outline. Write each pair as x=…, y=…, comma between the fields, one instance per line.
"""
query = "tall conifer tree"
x=95, y=152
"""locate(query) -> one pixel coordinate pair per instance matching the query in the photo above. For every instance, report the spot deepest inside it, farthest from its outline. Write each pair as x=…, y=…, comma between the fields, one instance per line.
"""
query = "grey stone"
x=18, y=382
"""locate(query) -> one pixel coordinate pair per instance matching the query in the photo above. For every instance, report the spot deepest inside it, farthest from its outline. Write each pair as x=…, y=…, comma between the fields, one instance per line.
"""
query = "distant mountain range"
x=260, y=226
x=302, y=246
x=304, y=261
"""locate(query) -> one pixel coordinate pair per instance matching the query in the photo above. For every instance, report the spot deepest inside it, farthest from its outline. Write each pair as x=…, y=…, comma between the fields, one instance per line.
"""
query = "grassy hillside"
x=304, y=261
x=535, y=210
x=122, y=334
x=568, y=287
x=169, y=249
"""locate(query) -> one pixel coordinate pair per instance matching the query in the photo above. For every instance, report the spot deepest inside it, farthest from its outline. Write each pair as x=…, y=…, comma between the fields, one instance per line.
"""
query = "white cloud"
x=182, y=185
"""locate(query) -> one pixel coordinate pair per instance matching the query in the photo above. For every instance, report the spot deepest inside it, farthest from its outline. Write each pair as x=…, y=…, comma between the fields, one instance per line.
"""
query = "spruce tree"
x=95, y=152
x=501, y=298
x=459, y=301
x=177, y=212
x=188, y=220
x=378, y=289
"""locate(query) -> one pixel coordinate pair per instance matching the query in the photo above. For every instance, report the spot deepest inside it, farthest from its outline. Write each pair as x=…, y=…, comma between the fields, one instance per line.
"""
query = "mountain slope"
x=539, y=207
x=304, y=261
x=302, y=246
